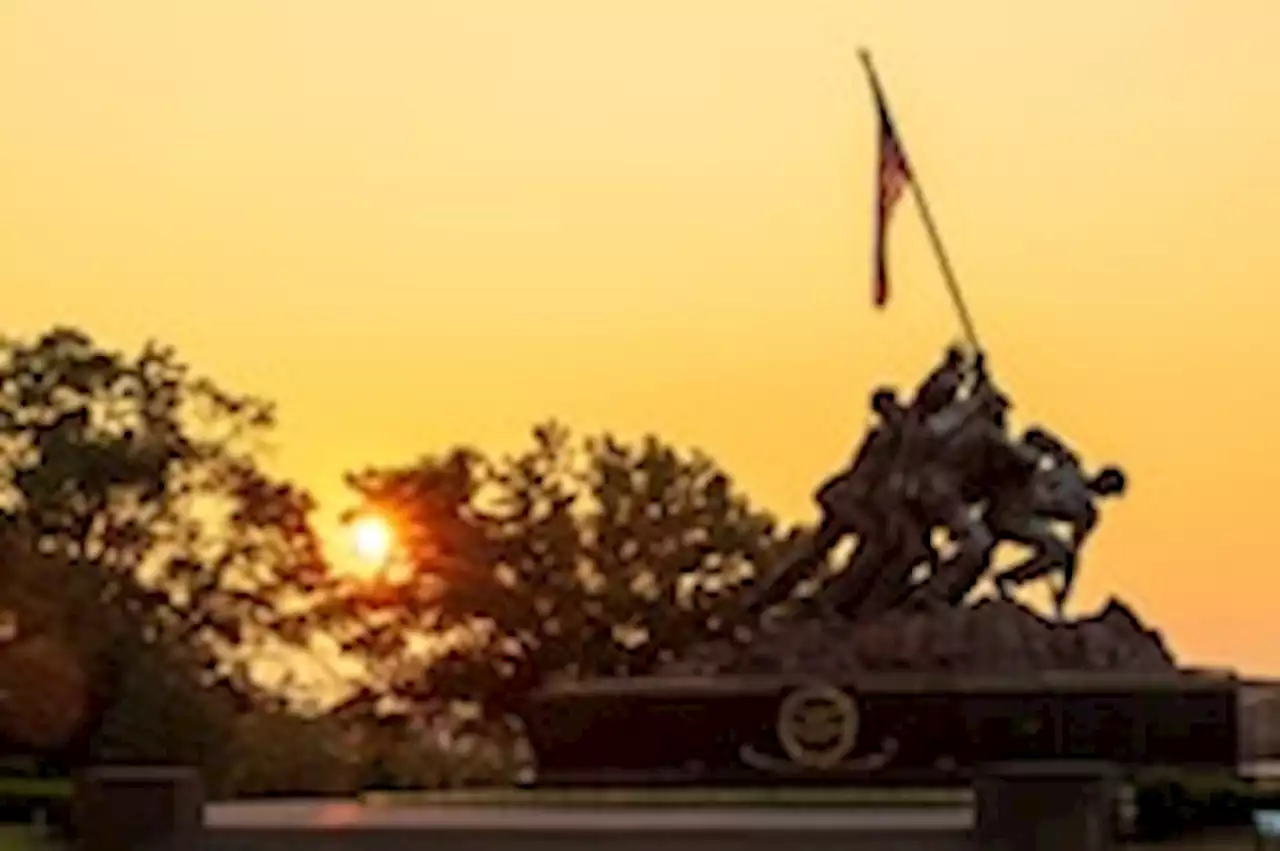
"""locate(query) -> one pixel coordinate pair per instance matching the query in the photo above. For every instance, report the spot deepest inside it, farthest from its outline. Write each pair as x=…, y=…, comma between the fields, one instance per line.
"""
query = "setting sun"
x=372, y=540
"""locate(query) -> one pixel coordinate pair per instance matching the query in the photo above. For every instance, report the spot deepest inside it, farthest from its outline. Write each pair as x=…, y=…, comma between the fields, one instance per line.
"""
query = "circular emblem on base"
x=817, y=726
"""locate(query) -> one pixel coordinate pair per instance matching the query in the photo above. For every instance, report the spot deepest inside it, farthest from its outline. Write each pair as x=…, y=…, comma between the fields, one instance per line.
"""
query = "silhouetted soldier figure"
x=965, y=455
x=937, y=417
x=849, y=501
x=1058, y=492
x=946, y=460
x=983, y=401
x=927, y=487
x=880, y=572
x=893, y=533
x=942, y=385
x=849, y=496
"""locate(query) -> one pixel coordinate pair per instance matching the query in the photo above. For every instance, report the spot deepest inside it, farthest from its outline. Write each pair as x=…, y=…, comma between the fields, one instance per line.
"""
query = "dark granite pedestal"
x=911, y=729
x=1046, y=806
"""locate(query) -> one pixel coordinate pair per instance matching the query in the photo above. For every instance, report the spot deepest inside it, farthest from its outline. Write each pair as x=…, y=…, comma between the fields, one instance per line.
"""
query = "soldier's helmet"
x=884, y=401
x=1038, y=440
x=1110, y=481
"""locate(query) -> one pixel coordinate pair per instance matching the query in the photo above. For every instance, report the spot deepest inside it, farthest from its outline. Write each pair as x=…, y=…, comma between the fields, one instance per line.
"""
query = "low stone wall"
x=121, y=809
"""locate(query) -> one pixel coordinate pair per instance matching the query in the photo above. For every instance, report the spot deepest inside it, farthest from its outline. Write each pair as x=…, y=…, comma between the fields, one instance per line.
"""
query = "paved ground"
x=336, y=815
x=344, y=826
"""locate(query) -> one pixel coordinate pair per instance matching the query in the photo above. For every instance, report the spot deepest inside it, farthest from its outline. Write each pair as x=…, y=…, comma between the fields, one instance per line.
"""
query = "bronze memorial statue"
x=938, y=483
x=946, y=462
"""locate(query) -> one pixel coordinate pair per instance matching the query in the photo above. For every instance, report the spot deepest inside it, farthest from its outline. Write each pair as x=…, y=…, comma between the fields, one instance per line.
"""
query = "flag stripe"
x=894, y=173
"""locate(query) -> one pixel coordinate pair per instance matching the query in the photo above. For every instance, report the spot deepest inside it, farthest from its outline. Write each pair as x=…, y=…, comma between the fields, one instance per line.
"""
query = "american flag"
x=894, y=175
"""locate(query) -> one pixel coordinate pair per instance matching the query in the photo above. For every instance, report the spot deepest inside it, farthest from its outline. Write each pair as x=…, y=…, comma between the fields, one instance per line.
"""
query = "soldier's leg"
x=955, y=578
x=918, y=551
x=1049, y=555
x=890, y=588
x=847, y=592
x=792, y=568
x=879, y=575
x=1027, y=570
x=1068, y=571
x=1038, y=567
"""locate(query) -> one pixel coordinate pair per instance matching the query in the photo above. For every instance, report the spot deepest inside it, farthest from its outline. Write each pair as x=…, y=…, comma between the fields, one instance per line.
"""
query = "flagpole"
x=931, y=228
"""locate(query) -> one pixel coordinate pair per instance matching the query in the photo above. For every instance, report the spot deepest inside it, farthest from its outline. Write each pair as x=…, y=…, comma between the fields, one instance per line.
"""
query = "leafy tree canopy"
x=571, y=558
x=139, y=533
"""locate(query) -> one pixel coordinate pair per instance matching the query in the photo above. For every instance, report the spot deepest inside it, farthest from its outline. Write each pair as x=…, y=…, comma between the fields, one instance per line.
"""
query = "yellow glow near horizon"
x=373, y=541
x=415, y=223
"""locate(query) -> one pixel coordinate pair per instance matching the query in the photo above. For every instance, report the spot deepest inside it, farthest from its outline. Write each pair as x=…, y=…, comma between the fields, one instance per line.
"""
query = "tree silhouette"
x=138, y=467
x=139, y=531
x=572, y=558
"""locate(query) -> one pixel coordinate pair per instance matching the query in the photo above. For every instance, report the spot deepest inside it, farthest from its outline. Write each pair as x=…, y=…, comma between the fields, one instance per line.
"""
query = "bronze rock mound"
x=992, y=637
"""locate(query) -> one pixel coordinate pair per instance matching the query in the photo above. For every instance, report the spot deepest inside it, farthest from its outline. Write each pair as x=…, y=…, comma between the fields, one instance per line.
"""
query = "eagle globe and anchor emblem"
x=817, y=727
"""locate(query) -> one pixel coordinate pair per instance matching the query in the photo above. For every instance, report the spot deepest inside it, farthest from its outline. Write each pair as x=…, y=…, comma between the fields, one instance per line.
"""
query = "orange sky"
x=416, y=222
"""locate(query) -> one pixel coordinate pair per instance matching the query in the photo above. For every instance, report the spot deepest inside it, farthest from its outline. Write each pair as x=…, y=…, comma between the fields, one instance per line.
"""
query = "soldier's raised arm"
x=943, y=384
x=885, y=404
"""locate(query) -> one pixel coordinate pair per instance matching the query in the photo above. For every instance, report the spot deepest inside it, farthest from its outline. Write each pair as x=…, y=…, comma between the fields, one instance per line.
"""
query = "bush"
x=1173, y=806
x=402, y=753
x=162, y=714
x=278, y=753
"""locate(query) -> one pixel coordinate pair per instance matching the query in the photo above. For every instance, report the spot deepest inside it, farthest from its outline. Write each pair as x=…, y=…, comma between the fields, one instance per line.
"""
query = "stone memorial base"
x=873, y=729
x=990, y=637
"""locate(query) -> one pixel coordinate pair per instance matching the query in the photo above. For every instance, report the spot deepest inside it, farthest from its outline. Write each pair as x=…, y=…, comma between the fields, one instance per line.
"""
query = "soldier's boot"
x=1060, y=597
x=1051, y=557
